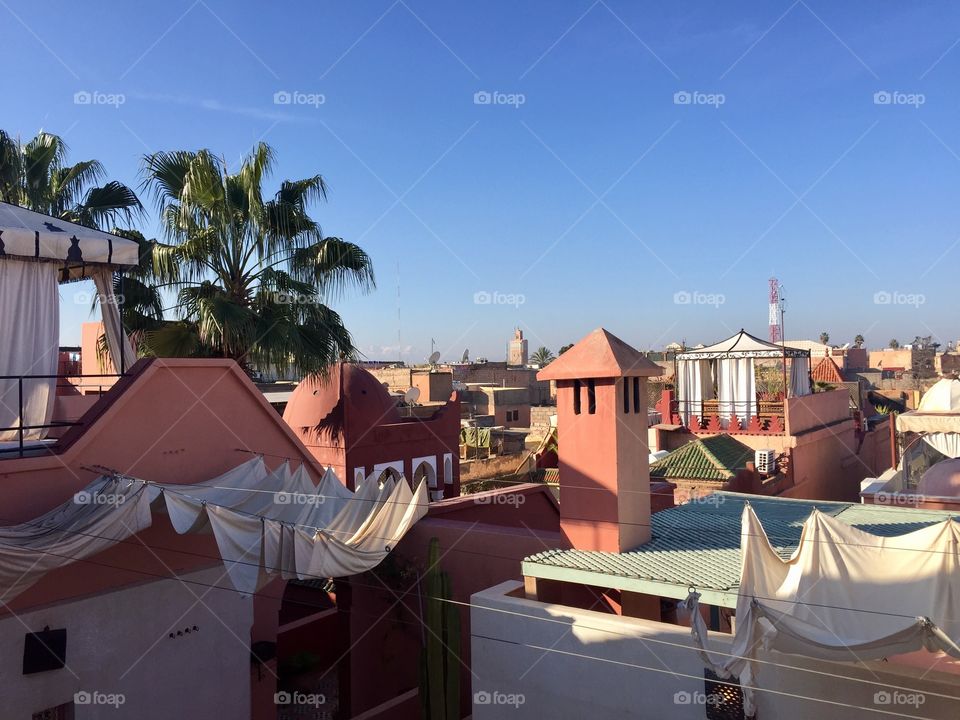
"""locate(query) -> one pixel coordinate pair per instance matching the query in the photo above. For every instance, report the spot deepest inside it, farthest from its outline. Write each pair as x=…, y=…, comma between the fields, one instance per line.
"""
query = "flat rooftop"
x=697, y=545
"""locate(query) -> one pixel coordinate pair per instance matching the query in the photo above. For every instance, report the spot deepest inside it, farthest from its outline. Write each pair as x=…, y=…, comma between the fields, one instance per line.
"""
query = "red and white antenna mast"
x=776, y=326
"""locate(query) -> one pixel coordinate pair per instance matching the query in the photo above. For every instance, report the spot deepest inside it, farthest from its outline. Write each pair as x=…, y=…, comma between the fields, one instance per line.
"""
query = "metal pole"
x=20, y=402
x=120, y=315
x=783, y=344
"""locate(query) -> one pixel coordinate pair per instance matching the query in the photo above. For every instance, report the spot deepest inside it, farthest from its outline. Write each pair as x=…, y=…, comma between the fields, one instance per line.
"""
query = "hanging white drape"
x=843, y=595
x=737, y=389
x=799, y=376
x=694, y=385
x=947, y=443
x=29, y=344
x=112, y=324
x=265, y=523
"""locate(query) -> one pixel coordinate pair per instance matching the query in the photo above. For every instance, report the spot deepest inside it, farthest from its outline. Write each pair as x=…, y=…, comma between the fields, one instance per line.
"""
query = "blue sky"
x=632, y=155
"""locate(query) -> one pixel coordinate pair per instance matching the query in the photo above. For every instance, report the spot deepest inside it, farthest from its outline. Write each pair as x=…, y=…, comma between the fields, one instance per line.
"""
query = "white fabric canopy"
x=743, y=344
x=694, y=385
x=799, y=376
x=265, y=522
x=70, y=247
x=947, y=443
x=844, y=595
x=939, y=410
x=112, y=324
x=737, y=389
x=29, y=344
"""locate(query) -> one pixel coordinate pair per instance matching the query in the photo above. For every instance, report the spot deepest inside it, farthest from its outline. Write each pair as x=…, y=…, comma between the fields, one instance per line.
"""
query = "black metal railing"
x=22, y=428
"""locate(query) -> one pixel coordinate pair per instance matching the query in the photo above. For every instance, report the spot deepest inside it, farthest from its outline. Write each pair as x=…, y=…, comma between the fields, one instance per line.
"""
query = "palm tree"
x=542, y=357
x=253, y=274
x=824, y=338
x=37, y=176
x=564, y=348
x=894, y=344
x=858, y=341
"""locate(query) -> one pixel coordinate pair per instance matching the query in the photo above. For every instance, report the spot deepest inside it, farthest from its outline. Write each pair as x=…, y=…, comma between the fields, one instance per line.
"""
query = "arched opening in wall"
x=448, y=470
x=424, y=471
x=386, y=474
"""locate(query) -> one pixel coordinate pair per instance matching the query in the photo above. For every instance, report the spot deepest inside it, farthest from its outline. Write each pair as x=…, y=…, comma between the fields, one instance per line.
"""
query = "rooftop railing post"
x=120, y=316
x=20, y=419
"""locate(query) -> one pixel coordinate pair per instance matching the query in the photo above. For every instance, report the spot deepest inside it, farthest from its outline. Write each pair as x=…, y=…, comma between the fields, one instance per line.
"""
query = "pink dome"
x=348, y=395
x=942, y=479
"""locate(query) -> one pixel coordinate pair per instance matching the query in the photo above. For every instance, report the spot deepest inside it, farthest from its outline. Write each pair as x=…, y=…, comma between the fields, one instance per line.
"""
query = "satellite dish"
x=434, y=357
x=411, y=395
x=466, y=356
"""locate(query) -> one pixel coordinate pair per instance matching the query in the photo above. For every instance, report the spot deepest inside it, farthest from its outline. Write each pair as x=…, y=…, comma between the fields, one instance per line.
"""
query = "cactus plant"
x=440, y=657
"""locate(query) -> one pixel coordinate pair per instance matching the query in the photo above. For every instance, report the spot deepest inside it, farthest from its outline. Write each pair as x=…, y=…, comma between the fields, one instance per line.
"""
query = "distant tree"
x=894, y=344
x=564, y=348
x=824, y=338
x=542, y=357
x=858, y=341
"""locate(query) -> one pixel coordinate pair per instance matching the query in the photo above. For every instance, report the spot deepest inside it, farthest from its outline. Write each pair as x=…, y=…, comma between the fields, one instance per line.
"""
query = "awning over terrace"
x=36, y=253
x=265, y=523
x=726, y=371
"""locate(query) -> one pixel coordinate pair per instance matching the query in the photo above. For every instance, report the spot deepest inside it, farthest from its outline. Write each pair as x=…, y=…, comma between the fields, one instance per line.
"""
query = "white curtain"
x=29, y=343
x=694, y=385
x=799, y=376
x=844, y=595
x=112, y=324
x=737, y=389
x=947, y=443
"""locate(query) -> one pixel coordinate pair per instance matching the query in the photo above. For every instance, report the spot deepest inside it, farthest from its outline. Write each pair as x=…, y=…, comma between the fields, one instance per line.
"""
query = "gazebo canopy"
x=938, y=412
x=743, y=345
x=29, y=235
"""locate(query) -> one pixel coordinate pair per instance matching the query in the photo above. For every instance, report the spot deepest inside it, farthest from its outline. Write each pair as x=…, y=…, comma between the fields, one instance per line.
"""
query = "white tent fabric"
x=264, y=522
x=743, y=344
x=799, y=376
x=29, y=344
x=947, y=443
x=938, y=411
x=737, y=389
x=71, y=248
x=694, y=385
x=844, y=595
x=112, y=324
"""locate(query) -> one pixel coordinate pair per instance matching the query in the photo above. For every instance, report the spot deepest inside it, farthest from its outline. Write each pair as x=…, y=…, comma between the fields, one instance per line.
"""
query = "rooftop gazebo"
x=38, y=253
x=721, y=380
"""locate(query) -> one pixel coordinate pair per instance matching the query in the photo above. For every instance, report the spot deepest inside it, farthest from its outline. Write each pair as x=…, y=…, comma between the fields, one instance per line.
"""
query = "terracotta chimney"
x=602, y=440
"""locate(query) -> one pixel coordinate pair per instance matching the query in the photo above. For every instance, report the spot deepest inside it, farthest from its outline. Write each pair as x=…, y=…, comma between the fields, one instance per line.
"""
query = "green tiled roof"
x=713, y=458
x=698, y=544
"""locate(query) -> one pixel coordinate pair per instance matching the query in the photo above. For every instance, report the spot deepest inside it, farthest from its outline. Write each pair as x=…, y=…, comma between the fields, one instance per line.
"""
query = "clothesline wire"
x=216, y=558
x=699, y=678
x=480, y=607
